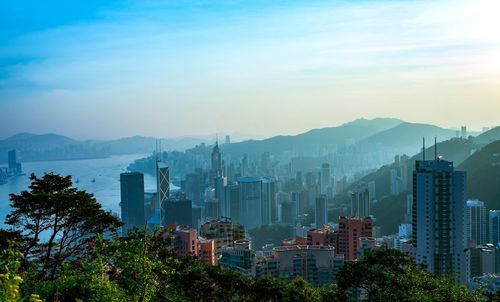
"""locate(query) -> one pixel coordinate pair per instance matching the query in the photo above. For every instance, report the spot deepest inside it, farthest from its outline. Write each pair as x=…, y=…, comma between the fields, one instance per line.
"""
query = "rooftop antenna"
x=435, y=148
x=160, y=148
x=156, y=149
x=423, y=147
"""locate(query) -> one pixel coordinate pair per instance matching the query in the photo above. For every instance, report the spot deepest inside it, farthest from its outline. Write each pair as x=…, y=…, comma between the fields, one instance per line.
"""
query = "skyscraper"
x=132, y=200
x=325, y=178
x=216, y=168
x=220, y=195
x=12, y=159
x=360, y=202
x=321, y=211
x=162, y=186
x=233, y=200
x=494, y=227
x=288, y=212
x=463, y=132
x=178, y=211
x=14, y=166
x=438, y=223
x=269, y=207
x=475, y=214
x=250, y=205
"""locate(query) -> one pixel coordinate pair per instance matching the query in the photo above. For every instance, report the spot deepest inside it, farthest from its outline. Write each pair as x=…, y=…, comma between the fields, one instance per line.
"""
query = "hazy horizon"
x=235, y=136
x=118, y=69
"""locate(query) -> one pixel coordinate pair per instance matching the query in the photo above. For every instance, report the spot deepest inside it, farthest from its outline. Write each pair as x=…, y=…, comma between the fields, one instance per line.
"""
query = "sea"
x=105, y=171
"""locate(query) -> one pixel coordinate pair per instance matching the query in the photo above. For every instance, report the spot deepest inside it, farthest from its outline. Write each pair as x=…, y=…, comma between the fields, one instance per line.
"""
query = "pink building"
x=350, y=230
x=318, y=236
x=206, y=250
x=297, y=240
x=186, y=241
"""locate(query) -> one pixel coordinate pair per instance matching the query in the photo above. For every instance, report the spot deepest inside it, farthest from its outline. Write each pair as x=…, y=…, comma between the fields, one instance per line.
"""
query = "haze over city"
x=267, y=150
x=176, y=68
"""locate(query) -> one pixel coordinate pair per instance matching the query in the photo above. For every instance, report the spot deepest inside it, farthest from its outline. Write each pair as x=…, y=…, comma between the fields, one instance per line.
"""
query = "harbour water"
x=105, y=171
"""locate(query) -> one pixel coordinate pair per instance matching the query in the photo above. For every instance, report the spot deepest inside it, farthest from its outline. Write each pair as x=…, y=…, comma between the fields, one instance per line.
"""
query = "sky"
x=108, y=69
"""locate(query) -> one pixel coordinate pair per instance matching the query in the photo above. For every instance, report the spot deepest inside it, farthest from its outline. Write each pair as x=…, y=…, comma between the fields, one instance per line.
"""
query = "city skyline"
x=180, y=69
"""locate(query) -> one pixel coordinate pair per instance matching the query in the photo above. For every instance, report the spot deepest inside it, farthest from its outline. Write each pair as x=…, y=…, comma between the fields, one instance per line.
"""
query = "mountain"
x=377, y=124
x=390, y=209
x=41, y=139
x=313, y=142
x=37, y=147
x=407, y=137
x=456, y=150
x=483, y=175
x=488, y=136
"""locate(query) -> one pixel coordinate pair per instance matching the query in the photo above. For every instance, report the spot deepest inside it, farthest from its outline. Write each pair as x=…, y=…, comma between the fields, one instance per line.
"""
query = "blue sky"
x=102, y=69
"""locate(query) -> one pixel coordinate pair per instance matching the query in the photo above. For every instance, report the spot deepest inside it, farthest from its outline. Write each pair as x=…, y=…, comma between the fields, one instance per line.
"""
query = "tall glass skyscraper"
x=132, y=200
x=438, y=222
x=163, y=188
x=321, y=211
x=475, y=216
x=494, y=227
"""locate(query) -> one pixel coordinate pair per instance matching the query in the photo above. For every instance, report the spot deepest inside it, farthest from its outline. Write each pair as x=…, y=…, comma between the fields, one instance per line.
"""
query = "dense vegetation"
x=83, y=260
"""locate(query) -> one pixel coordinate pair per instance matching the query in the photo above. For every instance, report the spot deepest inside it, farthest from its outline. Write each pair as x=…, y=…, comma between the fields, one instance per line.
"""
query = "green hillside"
x=483, y=175
x=456, y=150
x=389, y=210
x=488, y=136
x=389, y=213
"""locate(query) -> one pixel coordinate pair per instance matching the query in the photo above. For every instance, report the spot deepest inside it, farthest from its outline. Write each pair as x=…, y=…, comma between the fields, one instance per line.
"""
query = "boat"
x=77, y=181
x=93, y=180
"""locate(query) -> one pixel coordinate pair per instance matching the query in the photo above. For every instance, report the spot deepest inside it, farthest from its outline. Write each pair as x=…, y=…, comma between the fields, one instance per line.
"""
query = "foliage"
x=10, y=280
x=390, y=275
x=85, y=282
x=70, y=219
x=141, y=267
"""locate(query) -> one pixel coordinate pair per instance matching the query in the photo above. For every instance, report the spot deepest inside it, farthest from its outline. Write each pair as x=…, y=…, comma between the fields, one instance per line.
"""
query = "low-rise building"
x=223, y=233
x=314, y=263
x=239, y=258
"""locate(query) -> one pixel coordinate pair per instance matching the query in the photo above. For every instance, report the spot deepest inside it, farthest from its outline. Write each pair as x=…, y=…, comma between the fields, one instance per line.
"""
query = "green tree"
x=70, y=218
x=390, y=275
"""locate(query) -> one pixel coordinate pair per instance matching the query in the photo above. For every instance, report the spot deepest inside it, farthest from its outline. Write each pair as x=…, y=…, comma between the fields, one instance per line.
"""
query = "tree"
x=390, y=275
x=69, y=218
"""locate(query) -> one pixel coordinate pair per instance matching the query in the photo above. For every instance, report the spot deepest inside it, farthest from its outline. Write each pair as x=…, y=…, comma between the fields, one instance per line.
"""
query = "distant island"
x=48, y=147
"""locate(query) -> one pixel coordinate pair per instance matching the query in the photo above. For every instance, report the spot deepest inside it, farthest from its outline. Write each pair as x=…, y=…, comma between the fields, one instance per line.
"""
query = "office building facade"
x=439, y=224
x=132, y=200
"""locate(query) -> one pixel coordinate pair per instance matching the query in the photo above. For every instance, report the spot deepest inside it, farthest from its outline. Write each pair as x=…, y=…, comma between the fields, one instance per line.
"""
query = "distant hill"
x=314, y=141
x=483, y=179
x=455, y=149
x=389, y=212
x=483, y=175
x=37, y=147
x=389, y=209
x=377, y=124
x=40, y=139
x=408, y=136
x=41, y=147
x=488, y=136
